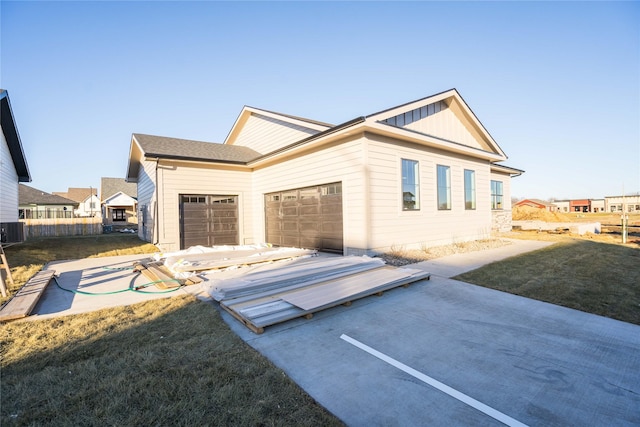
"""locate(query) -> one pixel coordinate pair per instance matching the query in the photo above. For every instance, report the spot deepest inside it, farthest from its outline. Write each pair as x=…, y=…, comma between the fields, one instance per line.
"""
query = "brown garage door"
x=308, y=217
x=208, y=220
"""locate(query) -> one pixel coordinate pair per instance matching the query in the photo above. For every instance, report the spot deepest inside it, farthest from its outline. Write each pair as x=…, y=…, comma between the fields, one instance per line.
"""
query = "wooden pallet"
x=157, y=273
x=26, y=298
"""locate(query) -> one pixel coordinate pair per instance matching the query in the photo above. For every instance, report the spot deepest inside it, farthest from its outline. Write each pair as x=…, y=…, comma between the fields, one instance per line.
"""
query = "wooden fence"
x=61, y=227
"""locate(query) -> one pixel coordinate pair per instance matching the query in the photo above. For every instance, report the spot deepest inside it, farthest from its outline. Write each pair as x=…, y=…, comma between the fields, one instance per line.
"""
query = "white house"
x=119, y=204
x=13, y=170
x=420, y=174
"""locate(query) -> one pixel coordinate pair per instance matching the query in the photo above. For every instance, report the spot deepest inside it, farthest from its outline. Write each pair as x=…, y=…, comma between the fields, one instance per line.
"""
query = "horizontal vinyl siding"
x=265, y=134
x=446, y=125
x=146, y=200
x=180, y=179
x=338, y=163
x=8, y=184
x=391, y=226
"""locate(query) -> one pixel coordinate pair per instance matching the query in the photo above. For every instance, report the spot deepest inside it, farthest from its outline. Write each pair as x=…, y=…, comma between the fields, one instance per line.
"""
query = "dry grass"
x=164, y=362
x=588, y=275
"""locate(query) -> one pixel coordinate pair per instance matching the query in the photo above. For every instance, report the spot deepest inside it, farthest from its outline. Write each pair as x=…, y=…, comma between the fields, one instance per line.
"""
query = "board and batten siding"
x=8, y=184
x=391, y=227
x=446, y=125
x=266, y=134
x=178, y=178
x=337, y=163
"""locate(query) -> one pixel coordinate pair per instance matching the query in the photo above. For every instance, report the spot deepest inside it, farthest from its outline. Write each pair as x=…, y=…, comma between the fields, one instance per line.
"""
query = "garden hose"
x=133, y=289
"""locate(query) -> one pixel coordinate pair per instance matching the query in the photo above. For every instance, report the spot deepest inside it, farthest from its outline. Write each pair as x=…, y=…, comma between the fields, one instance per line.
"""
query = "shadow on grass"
x=167, y=362
x=595, y=277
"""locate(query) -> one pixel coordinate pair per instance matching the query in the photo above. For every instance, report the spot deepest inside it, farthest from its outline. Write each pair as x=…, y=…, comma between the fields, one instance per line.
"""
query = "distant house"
x=630, y=204
x=87, y=199
x=536, y=203
x=420, y=174
x=37, y=204
x=119, y=203
x=13, y=170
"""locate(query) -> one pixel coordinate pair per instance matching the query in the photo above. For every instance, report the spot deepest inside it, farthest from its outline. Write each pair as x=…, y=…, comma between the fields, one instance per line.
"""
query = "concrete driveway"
x=447, y=353
x=438, y=353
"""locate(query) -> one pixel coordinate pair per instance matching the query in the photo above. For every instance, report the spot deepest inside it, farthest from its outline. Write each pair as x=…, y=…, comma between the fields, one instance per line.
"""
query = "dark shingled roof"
x=111, y=186
x=184, y=149
x=32, y=196
x=12, y=137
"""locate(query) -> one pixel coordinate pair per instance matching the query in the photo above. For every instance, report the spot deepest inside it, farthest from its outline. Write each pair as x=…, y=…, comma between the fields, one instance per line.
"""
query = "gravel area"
x=400, y=256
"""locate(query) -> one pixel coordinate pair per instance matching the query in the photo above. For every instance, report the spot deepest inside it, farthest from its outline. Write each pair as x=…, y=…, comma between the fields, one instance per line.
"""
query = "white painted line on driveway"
x=436, y=384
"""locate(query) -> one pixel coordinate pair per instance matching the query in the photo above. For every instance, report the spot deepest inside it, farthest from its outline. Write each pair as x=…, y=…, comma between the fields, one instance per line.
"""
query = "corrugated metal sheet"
x=268, y=304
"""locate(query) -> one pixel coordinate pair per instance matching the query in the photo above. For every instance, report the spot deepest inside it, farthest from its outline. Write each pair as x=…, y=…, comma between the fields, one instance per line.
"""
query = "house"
x=119, y=204
x=87, y=199
x=13, y=170
x=536, y=203
x=562, y=205
x=37, y=204
x=420, y=174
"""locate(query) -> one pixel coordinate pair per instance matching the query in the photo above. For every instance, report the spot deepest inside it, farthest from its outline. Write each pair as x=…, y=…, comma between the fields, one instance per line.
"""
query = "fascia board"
x=431, y=141
x=506, y=169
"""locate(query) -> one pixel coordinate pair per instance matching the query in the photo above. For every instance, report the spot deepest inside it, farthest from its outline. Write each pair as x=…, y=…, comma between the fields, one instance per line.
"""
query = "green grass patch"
x=595, y=277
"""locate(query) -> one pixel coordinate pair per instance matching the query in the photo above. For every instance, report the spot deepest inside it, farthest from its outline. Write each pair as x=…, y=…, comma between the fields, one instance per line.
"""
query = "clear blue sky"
x=557, y=84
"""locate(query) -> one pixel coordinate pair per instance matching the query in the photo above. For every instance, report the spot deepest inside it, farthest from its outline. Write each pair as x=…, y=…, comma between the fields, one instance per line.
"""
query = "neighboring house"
x=536, y=203
x=37, y=204
x=87, y=199
x=119, y=204
x=13, y=170
x=622, y=203
x=420, y=174
x=562, y=205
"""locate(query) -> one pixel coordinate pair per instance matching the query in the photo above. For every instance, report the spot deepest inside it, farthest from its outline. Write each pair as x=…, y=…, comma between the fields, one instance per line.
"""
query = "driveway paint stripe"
x=436, y=384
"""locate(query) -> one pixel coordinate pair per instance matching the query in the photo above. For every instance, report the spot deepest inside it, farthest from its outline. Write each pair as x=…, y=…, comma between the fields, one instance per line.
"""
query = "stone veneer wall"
x=501, y=221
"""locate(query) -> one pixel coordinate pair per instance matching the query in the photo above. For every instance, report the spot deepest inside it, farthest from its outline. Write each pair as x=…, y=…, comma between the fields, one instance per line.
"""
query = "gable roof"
x=120, y=199
x=10, y=131
x=32, y=196
x=151, y=146
x=313, y=126
x=77, y=194
x=458, y=106
x=111, y=186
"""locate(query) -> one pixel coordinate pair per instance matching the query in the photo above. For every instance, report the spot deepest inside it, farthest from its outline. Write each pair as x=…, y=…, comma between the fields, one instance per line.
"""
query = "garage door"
x=308, y=217
x=208, y=220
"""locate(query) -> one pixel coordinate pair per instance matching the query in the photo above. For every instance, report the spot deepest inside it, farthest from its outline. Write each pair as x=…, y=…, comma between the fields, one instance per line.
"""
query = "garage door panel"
x=208, y=220
x=307, y=217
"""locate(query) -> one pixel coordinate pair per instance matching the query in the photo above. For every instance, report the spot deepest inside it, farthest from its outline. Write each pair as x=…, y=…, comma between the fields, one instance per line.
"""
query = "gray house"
x=420, y=174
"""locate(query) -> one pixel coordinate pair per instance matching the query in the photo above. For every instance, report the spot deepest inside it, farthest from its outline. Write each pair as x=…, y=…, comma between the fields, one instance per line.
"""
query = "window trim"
x=446, y=187
x=472, y=193
x=415, y=184
x=495, y=206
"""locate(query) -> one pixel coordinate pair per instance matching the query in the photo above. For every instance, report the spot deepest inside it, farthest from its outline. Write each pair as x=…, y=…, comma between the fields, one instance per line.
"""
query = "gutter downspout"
x=156, y=222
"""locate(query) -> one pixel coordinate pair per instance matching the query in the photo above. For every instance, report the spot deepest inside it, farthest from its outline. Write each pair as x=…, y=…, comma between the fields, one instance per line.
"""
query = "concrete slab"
x=528, y=362
x=100, y=277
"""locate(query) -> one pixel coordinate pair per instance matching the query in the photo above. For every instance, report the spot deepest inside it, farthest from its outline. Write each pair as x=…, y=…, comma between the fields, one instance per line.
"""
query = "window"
x=118, y=215
x=410, y=185
x=496, y=195
x=444, y=187
x=469, y=189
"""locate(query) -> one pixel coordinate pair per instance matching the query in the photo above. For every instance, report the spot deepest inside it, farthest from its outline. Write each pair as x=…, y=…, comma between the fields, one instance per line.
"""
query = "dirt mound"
x=528, y=213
